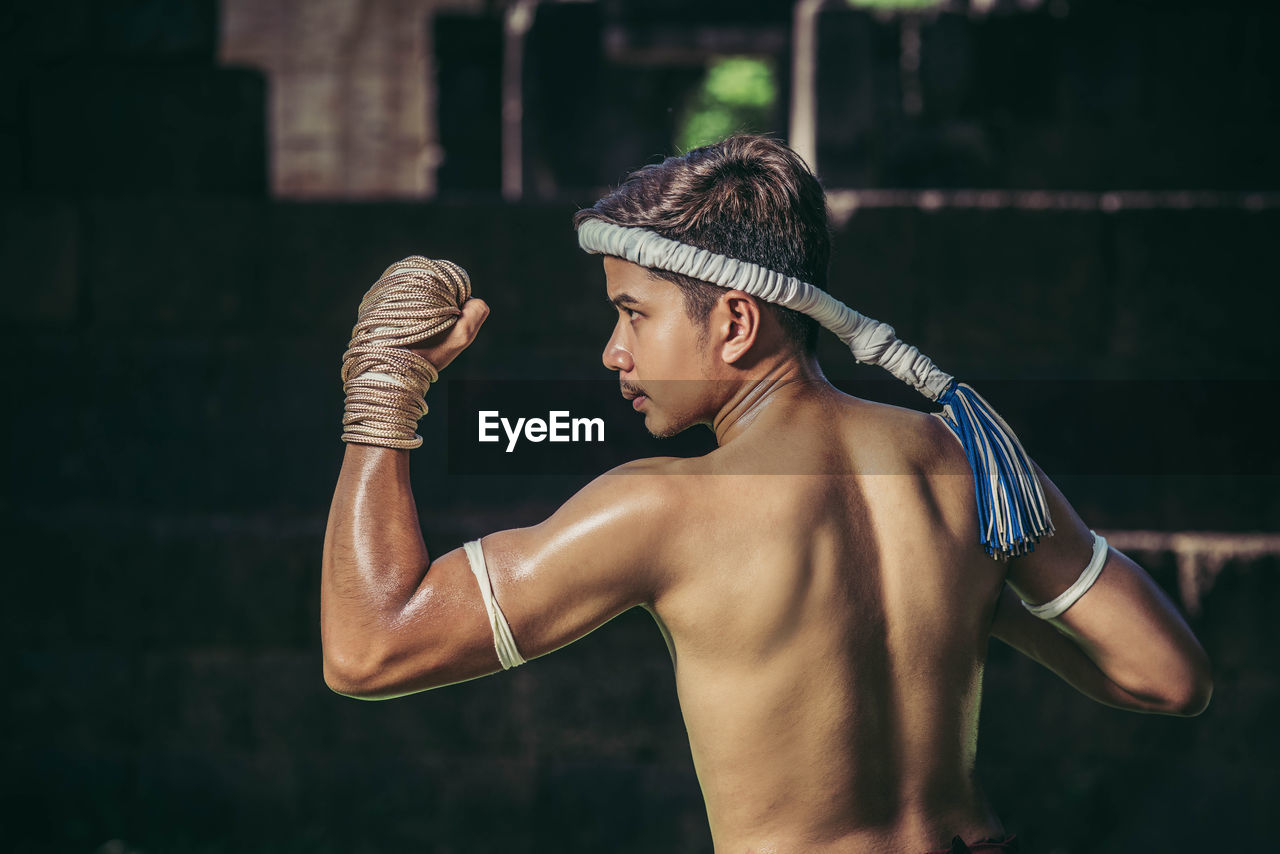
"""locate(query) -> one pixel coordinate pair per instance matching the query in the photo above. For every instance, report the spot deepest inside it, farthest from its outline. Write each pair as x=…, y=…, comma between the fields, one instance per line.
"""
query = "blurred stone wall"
x=353, y=97
x=171, y=445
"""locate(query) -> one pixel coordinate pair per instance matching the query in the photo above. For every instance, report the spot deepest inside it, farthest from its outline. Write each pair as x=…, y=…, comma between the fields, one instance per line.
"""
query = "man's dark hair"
x=747, y=197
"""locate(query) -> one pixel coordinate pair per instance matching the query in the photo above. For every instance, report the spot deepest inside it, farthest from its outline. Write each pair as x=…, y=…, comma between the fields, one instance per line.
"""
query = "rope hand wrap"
x=385, y=383
x=1012, y=512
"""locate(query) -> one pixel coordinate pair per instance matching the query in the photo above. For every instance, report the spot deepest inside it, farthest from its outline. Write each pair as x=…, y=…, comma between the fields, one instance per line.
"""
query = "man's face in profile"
x=656, y=349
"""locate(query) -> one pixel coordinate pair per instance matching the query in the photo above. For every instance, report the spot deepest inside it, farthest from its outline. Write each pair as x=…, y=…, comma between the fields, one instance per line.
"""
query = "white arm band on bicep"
x=1060, y=603
x=503, y=642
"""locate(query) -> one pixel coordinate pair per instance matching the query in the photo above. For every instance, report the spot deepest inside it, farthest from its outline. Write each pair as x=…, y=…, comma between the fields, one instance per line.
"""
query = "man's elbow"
x=1189, y=694
x=376, y=676
x=365, y=676
x=1196, y=692
x=350, y=676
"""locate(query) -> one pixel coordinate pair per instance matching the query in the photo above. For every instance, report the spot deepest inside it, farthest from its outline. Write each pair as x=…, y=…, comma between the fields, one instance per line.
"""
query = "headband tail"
x=1012, y=512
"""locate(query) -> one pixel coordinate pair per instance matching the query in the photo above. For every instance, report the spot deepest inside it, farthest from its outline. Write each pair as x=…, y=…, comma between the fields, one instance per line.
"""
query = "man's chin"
x=664, y=433
x=662, y=428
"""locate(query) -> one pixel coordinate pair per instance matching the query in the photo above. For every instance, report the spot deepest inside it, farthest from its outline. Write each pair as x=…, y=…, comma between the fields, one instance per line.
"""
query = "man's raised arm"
x=1123, y=642
x=394, y=621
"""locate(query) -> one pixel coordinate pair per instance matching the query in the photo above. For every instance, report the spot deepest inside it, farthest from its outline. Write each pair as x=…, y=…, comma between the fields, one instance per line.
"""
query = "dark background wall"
x=170, y=448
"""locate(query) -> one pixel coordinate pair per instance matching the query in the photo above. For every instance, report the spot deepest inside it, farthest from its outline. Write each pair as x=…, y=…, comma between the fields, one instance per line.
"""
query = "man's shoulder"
x=920, y=441
x=648, y=485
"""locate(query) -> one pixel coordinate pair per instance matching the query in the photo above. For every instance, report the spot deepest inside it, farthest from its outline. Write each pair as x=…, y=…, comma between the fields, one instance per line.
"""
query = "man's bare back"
x=828, y=623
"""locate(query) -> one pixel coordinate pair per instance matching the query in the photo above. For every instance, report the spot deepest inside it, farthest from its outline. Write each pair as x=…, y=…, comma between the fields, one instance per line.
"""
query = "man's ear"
x=735, y=324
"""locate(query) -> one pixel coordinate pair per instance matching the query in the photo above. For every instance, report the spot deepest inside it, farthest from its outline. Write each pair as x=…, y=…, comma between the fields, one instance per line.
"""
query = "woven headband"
x=1012, y=512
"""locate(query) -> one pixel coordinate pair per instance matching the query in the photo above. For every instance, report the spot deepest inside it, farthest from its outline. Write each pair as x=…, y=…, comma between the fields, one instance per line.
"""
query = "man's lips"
x=636, y=397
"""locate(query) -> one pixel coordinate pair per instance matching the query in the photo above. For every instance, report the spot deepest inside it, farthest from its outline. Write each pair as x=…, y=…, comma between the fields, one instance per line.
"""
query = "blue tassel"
x=1012, y=512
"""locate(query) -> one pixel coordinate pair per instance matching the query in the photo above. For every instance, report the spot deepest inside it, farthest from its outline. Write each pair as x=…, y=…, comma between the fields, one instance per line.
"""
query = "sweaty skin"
x=817, y=579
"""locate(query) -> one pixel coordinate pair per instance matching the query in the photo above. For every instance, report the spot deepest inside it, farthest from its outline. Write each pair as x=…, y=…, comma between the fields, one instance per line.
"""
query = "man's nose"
x=615, y=356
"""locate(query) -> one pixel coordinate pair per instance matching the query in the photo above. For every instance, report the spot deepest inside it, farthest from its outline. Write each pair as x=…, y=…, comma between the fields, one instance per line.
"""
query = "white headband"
x=1012, y=510
x=871, y=341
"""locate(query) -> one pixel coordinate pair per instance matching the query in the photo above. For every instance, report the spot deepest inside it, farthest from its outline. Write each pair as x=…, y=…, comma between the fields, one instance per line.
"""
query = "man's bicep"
x=596, y=557
x=1122, y=600
x=1121, y=593
x=1057, y=560
x=550, y=584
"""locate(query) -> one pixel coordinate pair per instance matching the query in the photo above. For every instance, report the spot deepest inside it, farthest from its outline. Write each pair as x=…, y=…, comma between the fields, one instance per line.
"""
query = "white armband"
x=1068, y=597
x=503, y=642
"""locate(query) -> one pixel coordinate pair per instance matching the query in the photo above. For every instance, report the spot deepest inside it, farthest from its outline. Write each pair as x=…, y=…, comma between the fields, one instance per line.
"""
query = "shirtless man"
x=816, y=577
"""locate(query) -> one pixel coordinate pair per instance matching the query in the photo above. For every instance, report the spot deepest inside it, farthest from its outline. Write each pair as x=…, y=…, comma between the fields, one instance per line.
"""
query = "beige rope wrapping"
x=385, y=383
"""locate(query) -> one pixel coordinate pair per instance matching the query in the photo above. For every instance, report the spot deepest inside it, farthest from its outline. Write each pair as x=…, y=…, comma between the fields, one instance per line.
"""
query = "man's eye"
x=631, y=313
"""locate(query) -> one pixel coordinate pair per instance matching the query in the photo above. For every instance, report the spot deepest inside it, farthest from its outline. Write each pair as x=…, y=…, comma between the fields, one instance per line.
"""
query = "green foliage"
x=741, y=82
x=737, y=94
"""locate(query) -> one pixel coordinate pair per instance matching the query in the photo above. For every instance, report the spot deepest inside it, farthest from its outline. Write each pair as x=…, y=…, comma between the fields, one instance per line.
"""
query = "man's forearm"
x=374, y=559
x=1040, y=640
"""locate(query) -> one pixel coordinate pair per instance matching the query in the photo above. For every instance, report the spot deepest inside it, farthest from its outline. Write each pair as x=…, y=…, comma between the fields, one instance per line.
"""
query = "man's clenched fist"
x=443, y=347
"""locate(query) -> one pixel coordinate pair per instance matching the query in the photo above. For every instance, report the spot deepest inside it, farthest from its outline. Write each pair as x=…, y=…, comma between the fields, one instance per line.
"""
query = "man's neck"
x=784, y=381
